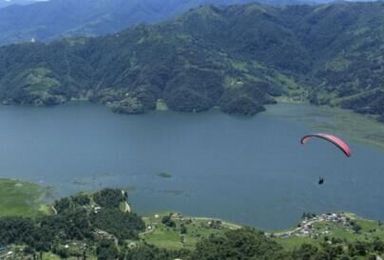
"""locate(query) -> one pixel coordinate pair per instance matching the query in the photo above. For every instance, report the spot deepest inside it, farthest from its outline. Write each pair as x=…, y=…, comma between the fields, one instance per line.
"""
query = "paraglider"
x=338, y=142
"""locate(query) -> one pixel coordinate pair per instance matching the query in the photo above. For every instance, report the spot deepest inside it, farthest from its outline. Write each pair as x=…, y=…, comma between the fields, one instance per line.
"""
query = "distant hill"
x=5, y=3
x=44, y=21
x=47, y=20
x=237, y=58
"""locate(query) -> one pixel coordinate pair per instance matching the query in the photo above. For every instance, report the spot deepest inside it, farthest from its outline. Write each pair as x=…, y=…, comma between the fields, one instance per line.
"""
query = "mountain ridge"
x=26, y=20
x=237, y=57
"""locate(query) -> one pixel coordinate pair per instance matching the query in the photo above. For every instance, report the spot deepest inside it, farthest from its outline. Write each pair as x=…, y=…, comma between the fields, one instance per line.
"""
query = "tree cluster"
x=76, y=220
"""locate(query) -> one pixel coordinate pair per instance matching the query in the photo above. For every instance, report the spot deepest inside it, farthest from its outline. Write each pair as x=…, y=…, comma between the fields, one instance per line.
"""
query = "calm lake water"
x=247, y=170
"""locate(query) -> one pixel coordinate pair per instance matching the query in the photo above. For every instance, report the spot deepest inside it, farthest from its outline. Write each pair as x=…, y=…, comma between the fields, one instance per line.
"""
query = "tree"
x=358, y=248
x=109, y=198
x=146, y=252
x=107, y=250
x=120, y=224
x=167, y=220
x=237, y=244
x=183, y=229
x=355, y=227
x=305, y=252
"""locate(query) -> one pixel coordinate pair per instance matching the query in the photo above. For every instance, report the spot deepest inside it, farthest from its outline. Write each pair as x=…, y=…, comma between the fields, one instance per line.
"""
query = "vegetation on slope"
x=64, y=18
x=237, y=58
x=79, y=221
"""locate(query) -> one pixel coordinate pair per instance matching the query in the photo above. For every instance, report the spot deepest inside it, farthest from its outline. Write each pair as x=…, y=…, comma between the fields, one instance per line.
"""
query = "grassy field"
x=172, y=237
x=18, y=198
x=197, y=228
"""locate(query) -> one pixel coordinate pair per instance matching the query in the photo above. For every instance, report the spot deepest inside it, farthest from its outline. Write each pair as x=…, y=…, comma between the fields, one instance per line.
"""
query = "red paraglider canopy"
x=342, y=145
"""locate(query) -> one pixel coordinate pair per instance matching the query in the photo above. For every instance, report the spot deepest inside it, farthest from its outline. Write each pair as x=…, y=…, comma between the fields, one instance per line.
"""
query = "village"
x=307, y=227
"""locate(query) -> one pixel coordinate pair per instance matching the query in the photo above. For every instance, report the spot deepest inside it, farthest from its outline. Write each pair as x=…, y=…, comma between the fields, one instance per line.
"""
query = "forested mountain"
x=47, y=20
x=235, y=57
x=53, y=19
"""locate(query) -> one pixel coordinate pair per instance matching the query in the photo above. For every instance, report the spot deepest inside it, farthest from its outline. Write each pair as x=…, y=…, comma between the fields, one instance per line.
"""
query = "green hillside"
x=24, y=20
x=237, y=58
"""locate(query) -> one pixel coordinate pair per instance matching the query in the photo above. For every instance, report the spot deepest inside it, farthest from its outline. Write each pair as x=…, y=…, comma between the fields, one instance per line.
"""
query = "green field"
x=20, y=198
x=197, y=228
x=172, y=237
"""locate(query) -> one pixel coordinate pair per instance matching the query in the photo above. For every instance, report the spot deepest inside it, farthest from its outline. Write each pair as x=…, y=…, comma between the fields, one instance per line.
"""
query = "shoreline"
x=40, y=192
x=362, y=128
x=175, y=231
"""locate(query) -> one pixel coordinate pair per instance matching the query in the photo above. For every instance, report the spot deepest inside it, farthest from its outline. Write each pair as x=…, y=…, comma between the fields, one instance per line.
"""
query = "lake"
x=250, y=171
